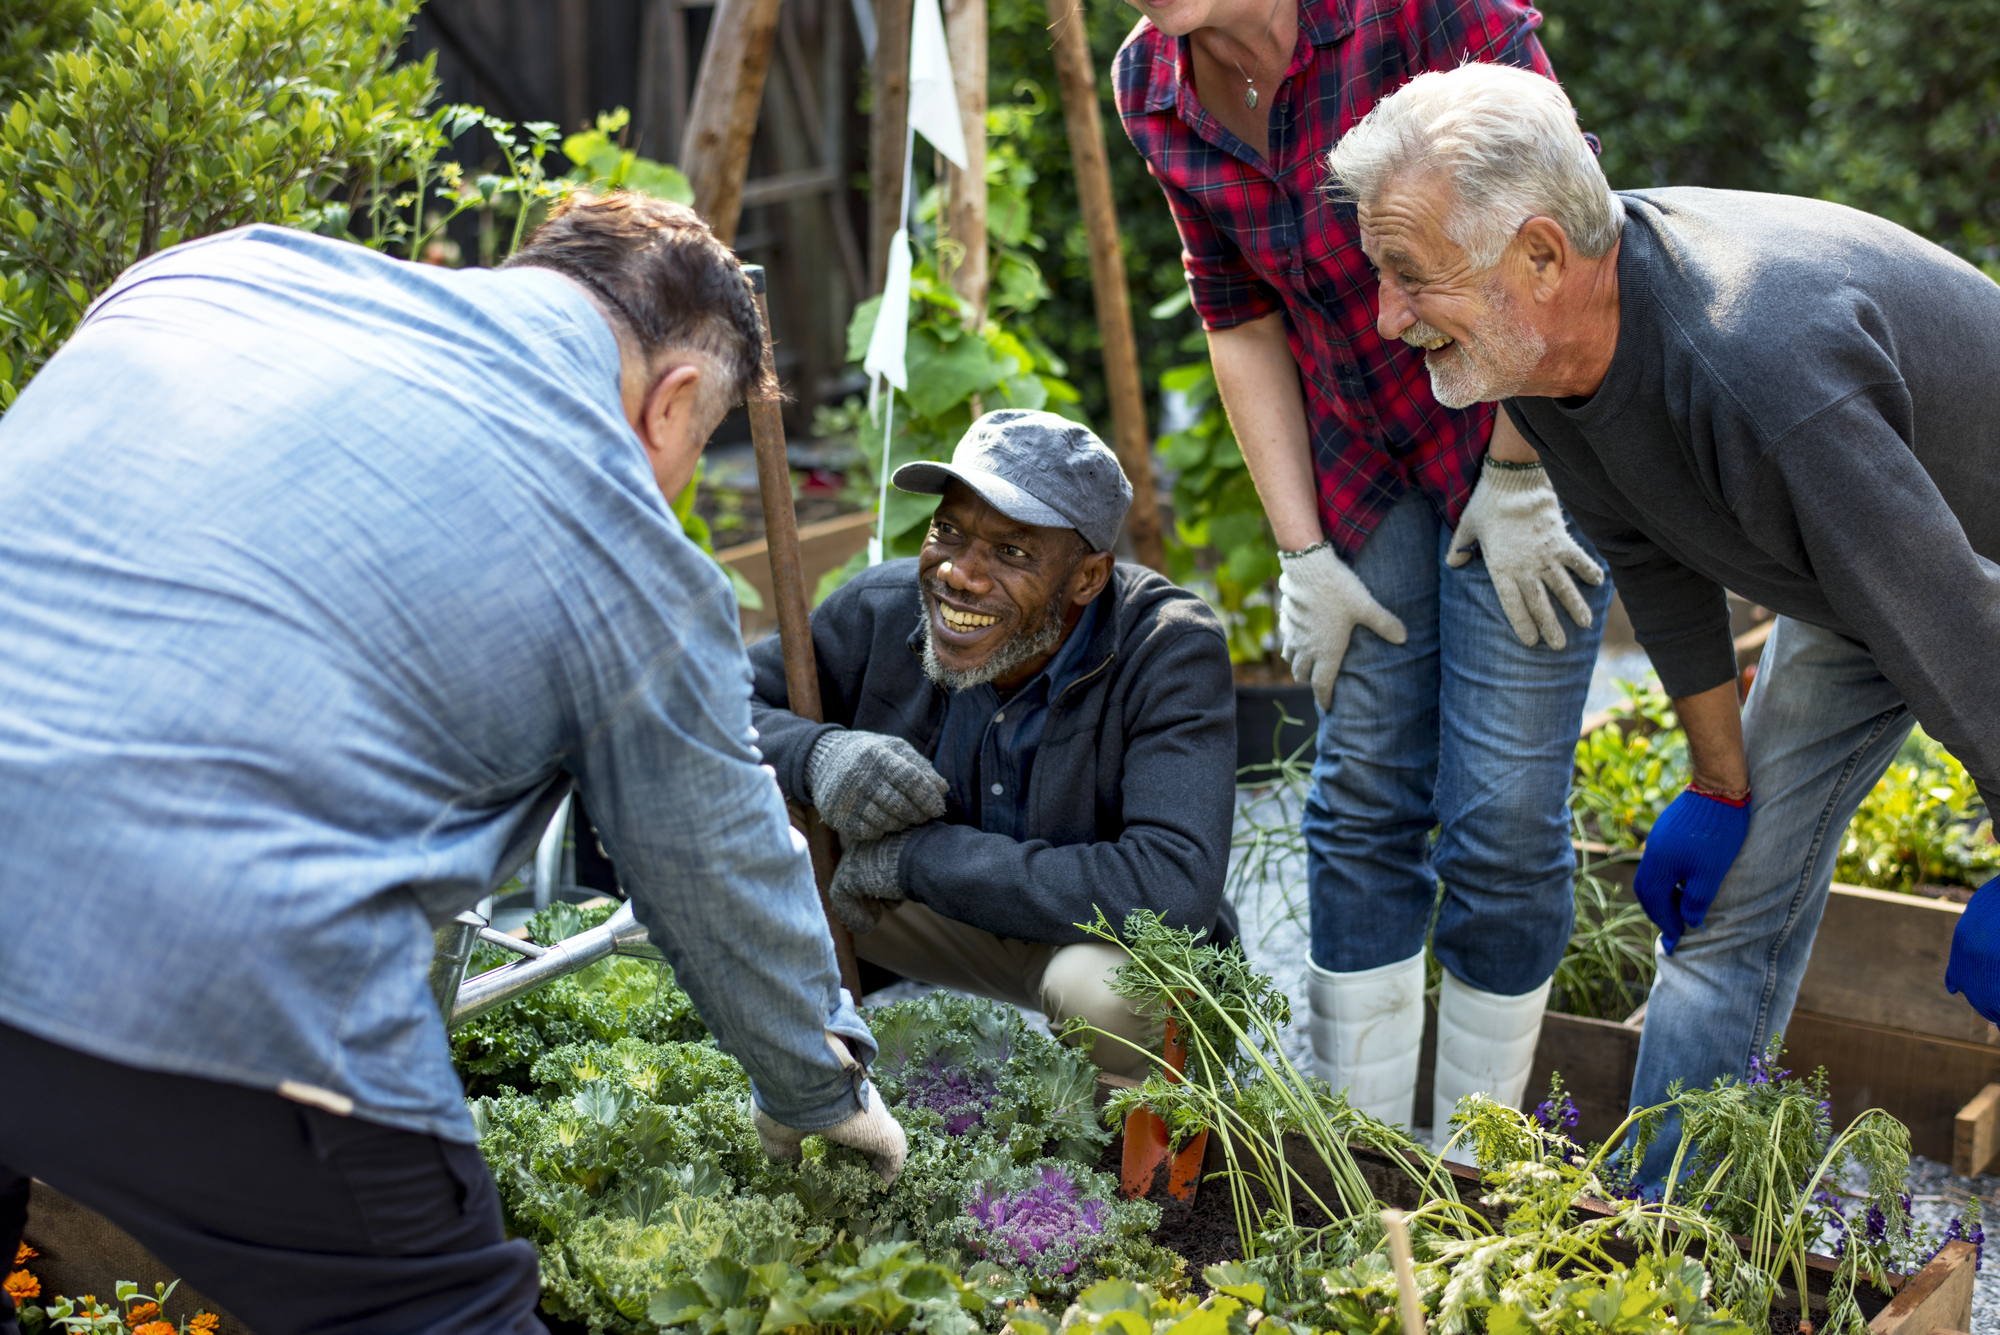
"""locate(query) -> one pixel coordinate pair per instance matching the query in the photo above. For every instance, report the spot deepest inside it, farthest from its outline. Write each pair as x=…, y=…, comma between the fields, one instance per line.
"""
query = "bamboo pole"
x=715, y=150
x=1107, y=276
x=886, y=125
x=1406, y=1278
x=965, y=191
x=788, y=586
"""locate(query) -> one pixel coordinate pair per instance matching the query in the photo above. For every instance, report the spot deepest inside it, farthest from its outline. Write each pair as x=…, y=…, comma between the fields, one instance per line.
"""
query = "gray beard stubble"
x=1021, y=647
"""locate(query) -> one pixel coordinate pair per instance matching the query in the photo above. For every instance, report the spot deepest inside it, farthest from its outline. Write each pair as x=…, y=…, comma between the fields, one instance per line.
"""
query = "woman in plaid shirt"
x=1459, y=705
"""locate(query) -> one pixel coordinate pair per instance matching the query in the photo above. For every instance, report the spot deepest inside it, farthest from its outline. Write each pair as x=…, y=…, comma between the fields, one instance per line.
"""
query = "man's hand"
x=867, y=785
x=1320, y=602
x=1518, y=523
x=865, y=883
x=872, y=1131
x=1687, y=854
x=1974, y=969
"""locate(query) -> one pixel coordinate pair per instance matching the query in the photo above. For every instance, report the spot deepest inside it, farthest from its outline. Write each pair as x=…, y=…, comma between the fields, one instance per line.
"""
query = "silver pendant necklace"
x=1250, y=80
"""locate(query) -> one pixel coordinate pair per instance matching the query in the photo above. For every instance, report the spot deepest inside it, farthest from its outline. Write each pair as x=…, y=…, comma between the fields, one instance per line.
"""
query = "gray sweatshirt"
x=1804, y=407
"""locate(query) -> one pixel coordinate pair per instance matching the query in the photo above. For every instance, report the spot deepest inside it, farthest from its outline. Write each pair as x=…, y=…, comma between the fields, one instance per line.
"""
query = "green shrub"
x=1904, y=121
x=175, y=120
x=32, y=29
x=1685, y=94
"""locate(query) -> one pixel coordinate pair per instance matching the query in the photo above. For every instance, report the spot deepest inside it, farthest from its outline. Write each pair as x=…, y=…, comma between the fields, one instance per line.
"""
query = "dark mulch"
x=1204, y=1230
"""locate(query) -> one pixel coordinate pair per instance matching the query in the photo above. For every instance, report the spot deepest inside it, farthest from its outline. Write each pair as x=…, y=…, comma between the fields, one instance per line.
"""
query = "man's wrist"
x=1734, y=797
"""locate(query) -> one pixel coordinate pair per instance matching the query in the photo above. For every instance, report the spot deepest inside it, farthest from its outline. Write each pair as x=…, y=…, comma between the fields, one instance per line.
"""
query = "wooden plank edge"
x=1973, y=1133
x=1937, y=1297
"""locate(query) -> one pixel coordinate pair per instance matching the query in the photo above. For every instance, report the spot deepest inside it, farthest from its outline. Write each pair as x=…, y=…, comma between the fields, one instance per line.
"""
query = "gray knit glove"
x=866, y=882
x=867, y=785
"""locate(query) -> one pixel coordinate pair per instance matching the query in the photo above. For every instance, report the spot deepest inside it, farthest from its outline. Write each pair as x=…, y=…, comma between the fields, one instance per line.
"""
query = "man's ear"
x=1092, y=573
x=671, y=427
x=1544, y=255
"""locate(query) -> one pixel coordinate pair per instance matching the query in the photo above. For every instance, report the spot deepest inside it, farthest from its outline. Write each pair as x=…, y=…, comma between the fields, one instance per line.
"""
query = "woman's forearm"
x=1259, y=381
x=1714, y=724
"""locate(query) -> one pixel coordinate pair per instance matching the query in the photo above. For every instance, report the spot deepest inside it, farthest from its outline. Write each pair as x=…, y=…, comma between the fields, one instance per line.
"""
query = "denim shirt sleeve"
x=699, y=832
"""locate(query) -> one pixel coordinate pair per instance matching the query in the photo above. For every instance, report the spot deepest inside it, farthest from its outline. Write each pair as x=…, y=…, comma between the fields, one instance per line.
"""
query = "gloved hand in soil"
x=1687, y=854
x=1974, y=969
x=867, y=785
x=1518, y=523
x=1320, y=602
x=865, y=883
x=872, y=1130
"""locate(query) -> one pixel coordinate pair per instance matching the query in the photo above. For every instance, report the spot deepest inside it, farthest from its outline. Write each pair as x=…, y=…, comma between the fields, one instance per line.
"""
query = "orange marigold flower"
x=143, y=1310
x=21, y=1286
x=204, y=1322
x=154, y=1328
x=25, y=1254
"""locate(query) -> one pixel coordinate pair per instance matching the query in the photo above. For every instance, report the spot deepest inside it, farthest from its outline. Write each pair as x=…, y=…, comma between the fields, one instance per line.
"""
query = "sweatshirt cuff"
x=1691, y=664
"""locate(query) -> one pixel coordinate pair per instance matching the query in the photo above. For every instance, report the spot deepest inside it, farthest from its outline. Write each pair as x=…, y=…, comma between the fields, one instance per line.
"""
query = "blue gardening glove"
x=1974, y=970
x=1687, y=855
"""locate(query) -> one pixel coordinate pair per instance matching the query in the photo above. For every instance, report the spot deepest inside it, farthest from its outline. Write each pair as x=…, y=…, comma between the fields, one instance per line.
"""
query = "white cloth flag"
x=934, y=115
x=933, y=96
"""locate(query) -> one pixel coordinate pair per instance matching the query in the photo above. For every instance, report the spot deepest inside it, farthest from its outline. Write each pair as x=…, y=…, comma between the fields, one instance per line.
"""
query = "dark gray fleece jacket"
x=1804, y=407
x=1132, y=793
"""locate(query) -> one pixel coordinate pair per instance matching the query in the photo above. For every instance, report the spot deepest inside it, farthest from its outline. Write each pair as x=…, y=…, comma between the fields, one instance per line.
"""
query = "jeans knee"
x=1077, y=985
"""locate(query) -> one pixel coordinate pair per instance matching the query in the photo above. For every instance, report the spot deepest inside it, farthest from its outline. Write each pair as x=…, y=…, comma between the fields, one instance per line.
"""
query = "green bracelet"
x=1491, y=462
x=1304, y=551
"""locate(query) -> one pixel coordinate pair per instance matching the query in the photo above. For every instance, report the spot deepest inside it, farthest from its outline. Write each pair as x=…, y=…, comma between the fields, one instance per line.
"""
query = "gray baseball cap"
x=1036, y=468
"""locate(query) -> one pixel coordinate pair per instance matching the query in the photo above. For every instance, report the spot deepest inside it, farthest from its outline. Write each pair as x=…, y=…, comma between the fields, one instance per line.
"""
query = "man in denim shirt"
x=1020, y=733
x=325, y=574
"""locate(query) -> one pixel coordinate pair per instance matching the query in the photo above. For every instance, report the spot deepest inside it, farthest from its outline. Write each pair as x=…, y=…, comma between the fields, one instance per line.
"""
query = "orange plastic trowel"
x=1147, y=1146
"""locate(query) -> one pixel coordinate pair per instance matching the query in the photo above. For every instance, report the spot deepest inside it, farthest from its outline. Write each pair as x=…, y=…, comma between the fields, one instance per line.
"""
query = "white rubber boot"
x=1367, y=1027
x=1486, y=1045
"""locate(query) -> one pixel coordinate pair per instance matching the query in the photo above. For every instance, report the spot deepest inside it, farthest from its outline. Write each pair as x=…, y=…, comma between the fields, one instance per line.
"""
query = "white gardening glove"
x=1320, y=602
x=1518, y=523
x=872, y=1130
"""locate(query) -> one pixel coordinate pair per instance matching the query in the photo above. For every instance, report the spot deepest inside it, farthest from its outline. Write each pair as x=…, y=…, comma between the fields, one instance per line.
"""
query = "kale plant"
x=612, y=999
x=967, y=1066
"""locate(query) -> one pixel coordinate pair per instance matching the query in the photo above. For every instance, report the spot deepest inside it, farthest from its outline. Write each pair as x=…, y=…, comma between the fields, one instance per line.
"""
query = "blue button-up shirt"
x=318, y=573
x=986, y=745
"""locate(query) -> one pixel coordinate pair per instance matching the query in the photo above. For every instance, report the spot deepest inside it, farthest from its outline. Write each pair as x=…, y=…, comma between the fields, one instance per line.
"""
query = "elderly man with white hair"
x=1778, y=396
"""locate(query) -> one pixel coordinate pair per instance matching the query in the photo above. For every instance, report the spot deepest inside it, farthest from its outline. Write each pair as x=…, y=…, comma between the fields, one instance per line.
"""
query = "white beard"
x=1493, y=363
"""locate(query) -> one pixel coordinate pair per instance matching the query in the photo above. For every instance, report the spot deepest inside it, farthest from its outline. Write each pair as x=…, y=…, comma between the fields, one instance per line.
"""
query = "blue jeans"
x=1462, y=727
x=1820, y=727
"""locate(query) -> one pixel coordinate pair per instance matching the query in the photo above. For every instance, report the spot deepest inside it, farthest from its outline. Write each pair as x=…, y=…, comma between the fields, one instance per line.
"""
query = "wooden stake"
x=1107, y=276
x=887, y=123
x=715, y=152
x=1406, y=1277
x=965, y=192
x=781, y=534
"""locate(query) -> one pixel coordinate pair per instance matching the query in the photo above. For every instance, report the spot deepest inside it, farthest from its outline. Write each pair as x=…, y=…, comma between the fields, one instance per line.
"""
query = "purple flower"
x=960, y=1096
x=1877, y=1226
x=1765, y=1073
x=1551, y=1114
x=1025, y=1223
x=1978, y=1240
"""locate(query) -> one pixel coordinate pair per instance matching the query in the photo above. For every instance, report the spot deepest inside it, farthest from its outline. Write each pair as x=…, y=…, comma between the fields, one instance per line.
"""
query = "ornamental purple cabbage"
x=960, y=1096
x=1024, y=1224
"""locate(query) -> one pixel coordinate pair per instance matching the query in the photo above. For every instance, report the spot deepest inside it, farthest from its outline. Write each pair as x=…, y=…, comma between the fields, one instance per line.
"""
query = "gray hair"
x=1508, y=142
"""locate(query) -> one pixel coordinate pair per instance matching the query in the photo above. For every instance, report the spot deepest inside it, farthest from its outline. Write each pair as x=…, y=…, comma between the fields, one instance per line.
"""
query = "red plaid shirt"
x=1261, y=236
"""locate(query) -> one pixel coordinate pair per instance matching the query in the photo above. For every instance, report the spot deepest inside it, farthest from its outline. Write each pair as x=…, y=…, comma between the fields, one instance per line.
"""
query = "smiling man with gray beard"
x=1780, y=397
x=1054, y=736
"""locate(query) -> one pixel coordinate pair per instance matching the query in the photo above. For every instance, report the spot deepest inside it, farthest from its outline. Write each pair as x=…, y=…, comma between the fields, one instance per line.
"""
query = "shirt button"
x=1000, y=717
x=998, y=789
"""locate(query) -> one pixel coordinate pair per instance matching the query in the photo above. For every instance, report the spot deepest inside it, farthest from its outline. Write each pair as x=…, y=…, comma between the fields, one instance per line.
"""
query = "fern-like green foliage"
x=173, y=119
